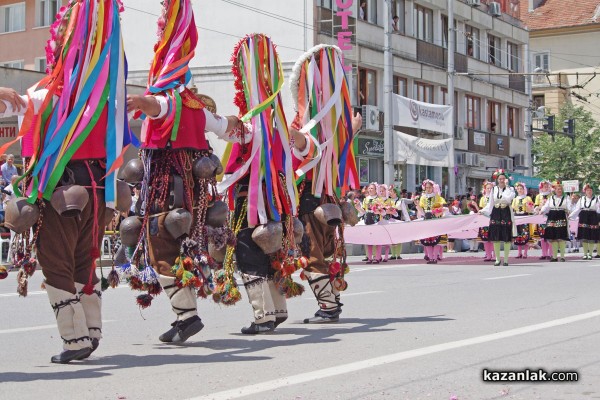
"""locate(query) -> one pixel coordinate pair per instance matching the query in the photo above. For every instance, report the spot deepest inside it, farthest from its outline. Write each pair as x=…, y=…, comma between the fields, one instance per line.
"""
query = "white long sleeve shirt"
x=557, y=203
x=587, y=204
x=499, y=198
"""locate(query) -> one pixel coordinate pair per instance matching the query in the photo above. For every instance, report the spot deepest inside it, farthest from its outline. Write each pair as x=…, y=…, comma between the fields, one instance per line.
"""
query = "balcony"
x=549, y=81
x=429, y=53
x=488, y=143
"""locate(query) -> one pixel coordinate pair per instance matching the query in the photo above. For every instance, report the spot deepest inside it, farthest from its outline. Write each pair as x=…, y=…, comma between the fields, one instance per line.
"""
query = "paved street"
x=408, y=331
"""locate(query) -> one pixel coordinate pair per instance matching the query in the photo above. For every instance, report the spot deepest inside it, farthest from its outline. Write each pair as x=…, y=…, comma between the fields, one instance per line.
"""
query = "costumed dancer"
x=522, y=205
x=399, y=204
x=502, y=227
x=169, y=238
x=74, y=132
x=587, y=209
x=326, y=168
x=557, y=209
x=431, y=205
x=261, y=189
x=484, y=231
x=540, y=199
x=371, y=213
x=387, y=207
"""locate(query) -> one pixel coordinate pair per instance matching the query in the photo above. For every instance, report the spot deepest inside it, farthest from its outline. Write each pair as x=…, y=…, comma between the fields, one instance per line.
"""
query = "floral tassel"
x=113, y=279
x=3, y=272
x=144, y=300
x=22, y=283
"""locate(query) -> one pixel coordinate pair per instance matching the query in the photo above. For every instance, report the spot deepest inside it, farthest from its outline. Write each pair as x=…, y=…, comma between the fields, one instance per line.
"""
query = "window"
x=45, y=12
x=367, y=10
x=445, y=32
x=539, y=101
x=472, y=110
x=541, y=61
x=398, y=9
x=423, y=92
x=513, y=122
x=494, y=50
x=400, y=86
x=513, y=57
x=367, y=87
x=494, y=117
x=40, y=64
x=12, y=18
x=423, y=24
x=445, y=101
x=13, y=64
x=472, y=42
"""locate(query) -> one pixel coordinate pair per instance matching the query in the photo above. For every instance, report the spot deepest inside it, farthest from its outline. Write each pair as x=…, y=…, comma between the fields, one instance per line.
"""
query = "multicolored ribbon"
x=257, y=66
x=320, y=92
x=89, y=76
x=170, y=66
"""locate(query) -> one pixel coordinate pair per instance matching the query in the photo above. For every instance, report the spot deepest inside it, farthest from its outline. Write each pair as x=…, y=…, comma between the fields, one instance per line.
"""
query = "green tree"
x=562, y=159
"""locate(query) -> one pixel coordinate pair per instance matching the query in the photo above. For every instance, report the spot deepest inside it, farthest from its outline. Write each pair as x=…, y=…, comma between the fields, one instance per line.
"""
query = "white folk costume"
x=261, y=189
x=588, y=232
x=179, y=216
x=326, y=168
x=522, y=205
x=74, y=131
x=484, y=231
x=432, y=206
x=502, y=227
x=540, y=230
x=557, y=208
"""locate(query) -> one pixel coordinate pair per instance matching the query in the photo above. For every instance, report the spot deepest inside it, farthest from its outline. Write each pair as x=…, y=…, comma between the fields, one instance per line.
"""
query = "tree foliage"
x=564, y=160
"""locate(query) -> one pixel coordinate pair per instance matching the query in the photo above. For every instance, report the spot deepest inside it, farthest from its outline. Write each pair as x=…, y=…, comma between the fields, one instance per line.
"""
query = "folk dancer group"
x=181, y=240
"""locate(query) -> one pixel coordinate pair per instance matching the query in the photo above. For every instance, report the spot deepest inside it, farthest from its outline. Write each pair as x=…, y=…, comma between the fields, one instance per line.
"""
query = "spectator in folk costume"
x=431, y=205
x=386, y=214
x=557, y=209
x=169, y=237
x=71, y=179
x=522, y=205
x=327, y=168
x=587, y=209
x=401, y=214
x=371, y=212
x=540, y=231
x=502, y=228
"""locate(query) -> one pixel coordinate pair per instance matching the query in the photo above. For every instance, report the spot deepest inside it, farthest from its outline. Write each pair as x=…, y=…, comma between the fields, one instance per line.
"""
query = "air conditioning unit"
x=507, y=164
x=520, y=160
x=474, y=3
x=475, y=160
x=461, y=158
x=468, y=158
x=459, y=132
x=495, y=9
x=370, y=116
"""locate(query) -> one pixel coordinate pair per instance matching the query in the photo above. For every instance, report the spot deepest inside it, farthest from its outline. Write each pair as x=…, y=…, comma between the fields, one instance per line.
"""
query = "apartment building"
x=564, y=44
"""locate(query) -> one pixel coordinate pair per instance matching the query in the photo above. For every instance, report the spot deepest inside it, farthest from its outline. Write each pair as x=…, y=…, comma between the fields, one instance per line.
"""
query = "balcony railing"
x=432, y=54
x=549, y=81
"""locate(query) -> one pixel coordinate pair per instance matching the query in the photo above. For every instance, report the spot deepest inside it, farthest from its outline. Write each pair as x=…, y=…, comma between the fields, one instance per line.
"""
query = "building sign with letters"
x=571, y=186
x=370, y=147
x=420, y=115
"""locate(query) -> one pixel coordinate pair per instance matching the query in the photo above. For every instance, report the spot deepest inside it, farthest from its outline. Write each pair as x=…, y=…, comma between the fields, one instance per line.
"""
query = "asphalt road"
x=408, y=331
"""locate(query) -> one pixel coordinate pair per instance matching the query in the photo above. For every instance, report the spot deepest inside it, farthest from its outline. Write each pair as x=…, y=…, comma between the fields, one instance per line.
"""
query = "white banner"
x=413, y=150
x=416, y=114
x=571, y=186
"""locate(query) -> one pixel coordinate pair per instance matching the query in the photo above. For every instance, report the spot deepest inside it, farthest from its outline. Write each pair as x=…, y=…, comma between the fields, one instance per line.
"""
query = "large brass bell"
x=130, y=230
x=329, y=214
x=133, y=171
x=204, y=168
x=268, y=237
x=70, y=200
x=298, y=230
x=217, y=162
x=349, y=214
x=216, y=215
x=123, y=201
x=19, y=215
x=178, y=222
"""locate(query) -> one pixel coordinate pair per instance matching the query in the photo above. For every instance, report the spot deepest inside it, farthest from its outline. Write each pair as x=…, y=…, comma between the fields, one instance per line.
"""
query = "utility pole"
x=529, y=113
x=451, y=49
x=388, y=70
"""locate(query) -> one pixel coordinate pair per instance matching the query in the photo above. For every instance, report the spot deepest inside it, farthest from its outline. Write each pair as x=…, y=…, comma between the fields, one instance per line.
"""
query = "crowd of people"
x=501, y=200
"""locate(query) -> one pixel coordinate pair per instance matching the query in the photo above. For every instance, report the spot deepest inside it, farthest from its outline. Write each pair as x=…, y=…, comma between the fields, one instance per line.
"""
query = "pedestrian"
x=76, y=167
x=9, y=169
x=371, y=210
x=501, y=227
x=402, y=214
x=178, y=174
x=431, y=205
x=587, y=209
x=557, y=209
x=522, y=205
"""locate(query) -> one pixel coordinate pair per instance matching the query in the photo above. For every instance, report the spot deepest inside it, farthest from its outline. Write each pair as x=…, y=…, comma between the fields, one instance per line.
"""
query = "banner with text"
x=417, y=114
x=419, y=151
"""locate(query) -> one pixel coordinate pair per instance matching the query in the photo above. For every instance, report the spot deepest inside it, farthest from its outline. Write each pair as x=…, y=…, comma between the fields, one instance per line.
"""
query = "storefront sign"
x=370, y=147
x=8, y=130
x=479, y=138
x=344, y=37
x=500, y=143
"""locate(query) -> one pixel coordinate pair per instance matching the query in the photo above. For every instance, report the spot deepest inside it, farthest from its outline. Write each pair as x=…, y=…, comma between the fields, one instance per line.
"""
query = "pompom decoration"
x=144, y=300
x=113, y=279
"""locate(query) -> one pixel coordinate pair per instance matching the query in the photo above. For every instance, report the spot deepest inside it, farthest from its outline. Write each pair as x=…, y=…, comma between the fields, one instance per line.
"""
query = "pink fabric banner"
x=457, y=227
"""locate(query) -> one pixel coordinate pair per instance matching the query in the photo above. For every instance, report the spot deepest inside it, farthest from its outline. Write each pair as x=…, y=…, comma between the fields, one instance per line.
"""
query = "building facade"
x=491, y=42
x=563, y=45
